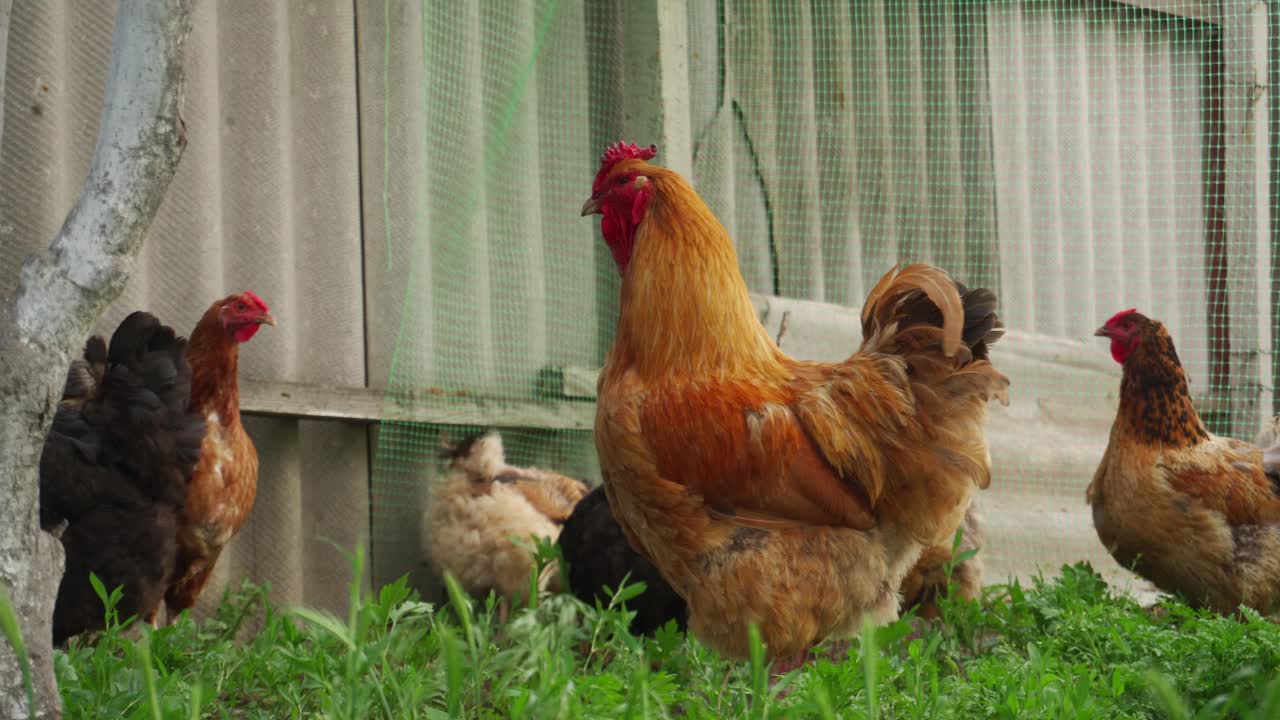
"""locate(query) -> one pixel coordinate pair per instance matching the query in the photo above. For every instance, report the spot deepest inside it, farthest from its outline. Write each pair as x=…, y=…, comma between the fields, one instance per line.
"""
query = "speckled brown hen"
x=793, y=495
x=1193, y=513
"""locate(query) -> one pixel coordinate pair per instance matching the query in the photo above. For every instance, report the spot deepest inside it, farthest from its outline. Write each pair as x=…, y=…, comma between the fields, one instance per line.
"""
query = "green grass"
x=1062, y=648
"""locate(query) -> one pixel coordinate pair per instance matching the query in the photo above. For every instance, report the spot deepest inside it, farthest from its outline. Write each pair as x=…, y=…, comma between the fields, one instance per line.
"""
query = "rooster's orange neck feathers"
x=1155, y=397
x=214, y=356
x=685, y=307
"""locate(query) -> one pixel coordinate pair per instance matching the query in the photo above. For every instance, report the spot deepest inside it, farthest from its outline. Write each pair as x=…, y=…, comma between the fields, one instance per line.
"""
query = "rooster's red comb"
x=620, y=151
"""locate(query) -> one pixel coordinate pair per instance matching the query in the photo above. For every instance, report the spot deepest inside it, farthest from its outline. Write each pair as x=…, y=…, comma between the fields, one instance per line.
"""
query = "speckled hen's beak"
x=591, y=206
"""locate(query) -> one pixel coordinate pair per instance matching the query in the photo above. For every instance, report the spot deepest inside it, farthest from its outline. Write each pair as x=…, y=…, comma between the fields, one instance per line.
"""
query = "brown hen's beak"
x=266, y=319
x=1102, y=332
x=591, y=206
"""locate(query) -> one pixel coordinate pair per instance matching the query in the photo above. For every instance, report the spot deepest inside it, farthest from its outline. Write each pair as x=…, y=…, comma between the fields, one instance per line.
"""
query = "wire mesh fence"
x=1078, y=157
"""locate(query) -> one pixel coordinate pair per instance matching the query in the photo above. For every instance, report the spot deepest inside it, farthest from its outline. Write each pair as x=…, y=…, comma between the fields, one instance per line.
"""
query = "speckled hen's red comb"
x=621, y=151
x=1116, y=318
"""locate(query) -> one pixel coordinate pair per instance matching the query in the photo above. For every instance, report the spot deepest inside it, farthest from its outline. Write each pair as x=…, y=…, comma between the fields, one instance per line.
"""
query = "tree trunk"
x=6, y=11
x=62, y=291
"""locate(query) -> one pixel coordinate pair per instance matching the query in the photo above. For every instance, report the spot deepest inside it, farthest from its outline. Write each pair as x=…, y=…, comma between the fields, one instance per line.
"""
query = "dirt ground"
x=1026, y=533
x=1034, y=514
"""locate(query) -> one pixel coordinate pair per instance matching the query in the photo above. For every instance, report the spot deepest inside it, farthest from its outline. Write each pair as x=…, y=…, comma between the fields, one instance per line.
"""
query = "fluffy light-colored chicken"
x=794, y=495
x=1193, y=513
x=480, y=504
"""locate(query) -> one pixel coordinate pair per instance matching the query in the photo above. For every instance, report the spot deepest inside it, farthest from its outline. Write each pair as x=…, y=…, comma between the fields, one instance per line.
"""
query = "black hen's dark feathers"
x=115, y=468
x=86, y=373
x=598, y=555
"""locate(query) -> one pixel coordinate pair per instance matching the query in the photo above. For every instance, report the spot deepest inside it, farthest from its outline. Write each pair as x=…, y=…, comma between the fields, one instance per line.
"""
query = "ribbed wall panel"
x=840, y=137
x=266, y=198
x=1099, y=192
x=477, y=153
x=400, y=180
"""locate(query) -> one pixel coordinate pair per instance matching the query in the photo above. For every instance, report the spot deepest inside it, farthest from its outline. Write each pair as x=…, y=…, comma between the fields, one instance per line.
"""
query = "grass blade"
x=871, y=668
x=148, y=676
x=453, y=669
x=327, y=622
x=197, y=691
x=1165, y=695
x=13, y=633
x=759, y=674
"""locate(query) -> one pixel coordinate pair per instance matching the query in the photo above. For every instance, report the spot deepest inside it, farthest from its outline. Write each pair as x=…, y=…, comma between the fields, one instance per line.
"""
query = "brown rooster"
x=793, y=495
x=225, y=481
x=1193, y=513
x=927, y=581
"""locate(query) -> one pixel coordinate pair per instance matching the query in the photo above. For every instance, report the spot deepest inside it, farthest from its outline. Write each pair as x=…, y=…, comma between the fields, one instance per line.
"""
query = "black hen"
x=114, y=471
x=598, y=555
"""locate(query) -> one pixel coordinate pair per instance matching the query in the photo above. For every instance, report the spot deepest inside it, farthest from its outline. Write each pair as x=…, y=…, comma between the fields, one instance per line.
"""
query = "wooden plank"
x=1245, y=33
x=580, y=383
x=368, y=405
x=1204, y=10
x=656, y=104
x=1275, y=193
x=570, y=391
x=1205, y=404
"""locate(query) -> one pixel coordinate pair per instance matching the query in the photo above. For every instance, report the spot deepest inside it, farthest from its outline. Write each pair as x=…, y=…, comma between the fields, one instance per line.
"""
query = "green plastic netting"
x=1078, y=157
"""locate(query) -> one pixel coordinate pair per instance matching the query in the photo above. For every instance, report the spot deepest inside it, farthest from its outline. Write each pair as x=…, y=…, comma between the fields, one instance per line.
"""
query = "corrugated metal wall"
x=1053, y=148
x=477, y=125
x=1098, y=185
x=827, y=141
x=400, y=181
x=839, y=138
x=266, y=198
x=486, y=117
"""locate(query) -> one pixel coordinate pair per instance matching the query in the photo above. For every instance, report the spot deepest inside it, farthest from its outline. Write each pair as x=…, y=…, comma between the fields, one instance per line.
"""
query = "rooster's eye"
x=241, y=306
x=622, y=180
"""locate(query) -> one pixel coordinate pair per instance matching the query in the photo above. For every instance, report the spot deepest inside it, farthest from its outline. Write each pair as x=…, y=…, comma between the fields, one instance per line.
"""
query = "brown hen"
x=1193, y=513
x=225, y=483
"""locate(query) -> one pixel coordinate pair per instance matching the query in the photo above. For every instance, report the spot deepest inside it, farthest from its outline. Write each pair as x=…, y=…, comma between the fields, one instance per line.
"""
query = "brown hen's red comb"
x=1121, y=314
x=621, y=151
x=255, y=299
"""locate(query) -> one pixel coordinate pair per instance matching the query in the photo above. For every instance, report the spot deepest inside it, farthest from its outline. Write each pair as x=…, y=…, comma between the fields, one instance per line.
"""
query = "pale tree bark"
x=63, y=290
x=6, y=11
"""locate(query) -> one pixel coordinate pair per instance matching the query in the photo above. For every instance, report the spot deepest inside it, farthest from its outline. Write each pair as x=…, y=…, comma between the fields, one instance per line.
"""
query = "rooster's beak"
x=266, y=319
x=591, y=206
x=1102, y=332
